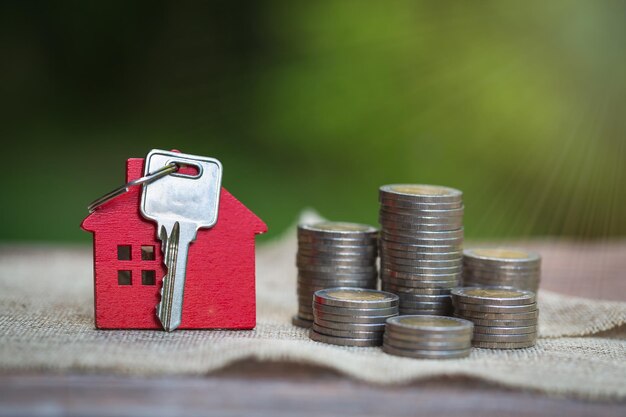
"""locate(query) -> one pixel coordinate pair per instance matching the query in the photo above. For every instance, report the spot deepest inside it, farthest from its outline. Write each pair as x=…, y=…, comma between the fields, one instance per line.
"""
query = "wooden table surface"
x=281, y=389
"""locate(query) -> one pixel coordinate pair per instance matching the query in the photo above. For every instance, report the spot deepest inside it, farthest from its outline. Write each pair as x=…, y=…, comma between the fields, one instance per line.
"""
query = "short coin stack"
x=421, y=245
x=352, y=316
x=501, y=267
x=333, y=254
x=503, y=317
x=428, y=337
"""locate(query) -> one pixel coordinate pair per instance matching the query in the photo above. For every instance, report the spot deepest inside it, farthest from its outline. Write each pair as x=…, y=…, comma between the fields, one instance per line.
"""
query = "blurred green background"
x=522, y=105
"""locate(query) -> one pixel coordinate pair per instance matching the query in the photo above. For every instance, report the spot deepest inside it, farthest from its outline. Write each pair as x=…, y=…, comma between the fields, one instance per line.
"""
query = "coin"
x=503, y=345
x=485, y=337
x=421, y=212
x=399, y=290
x=348, y=333
x=429, y=324
x=406, y=254
x=351, y=319
x=300, y=322
x=391, y=204
x=427, y=345
x=503, y=255
x=530, y=315
x=392, y=260
x=338, y=229
x=343, y=311
x=343, y=341
x=505, y=330
x=421, y=193
x=487, y=308
x=500, y=323
x=361, y=327
x=356, y=297
x=427, y=354
x=418, y=270
x=494, y=295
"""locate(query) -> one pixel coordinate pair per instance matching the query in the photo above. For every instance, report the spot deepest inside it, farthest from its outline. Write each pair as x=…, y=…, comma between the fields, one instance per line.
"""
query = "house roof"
x=134, y=170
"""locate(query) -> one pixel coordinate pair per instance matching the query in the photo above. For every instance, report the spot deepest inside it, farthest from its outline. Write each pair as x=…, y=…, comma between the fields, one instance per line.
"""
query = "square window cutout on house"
x=123, y=252
x=147, y=253
x=148, y=277
x=124, y=278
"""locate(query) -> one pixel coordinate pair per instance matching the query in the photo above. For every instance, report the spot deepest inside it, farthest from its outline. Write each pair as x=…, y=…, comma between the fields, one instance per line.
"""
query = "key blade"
x=171, y=241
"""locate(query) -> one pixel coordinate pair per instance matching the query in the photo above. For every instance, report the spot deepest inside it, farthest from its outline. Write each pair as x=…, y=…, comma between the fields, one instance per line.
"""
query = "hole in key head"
x=187, y=170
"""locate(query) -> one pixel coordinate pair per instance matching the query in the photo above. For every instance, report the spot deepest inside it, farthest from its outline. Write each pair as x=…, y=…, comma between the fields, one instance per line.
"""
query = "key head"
x=182, y=197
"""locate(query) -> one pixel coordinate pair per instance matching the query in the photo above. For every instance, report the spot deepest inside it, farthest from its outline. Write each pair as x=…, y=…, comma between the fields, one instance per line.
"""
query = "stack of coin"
x=421, y=245
x=333, y=254
x=503, y=317
x=428, y=337
x=501, y=267
x=352, y=316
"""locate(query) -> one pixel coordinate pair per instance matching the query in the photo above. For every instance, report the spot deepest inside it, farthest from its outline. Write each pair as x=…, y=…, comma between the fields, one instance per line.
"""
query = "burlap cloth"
x=46, y=323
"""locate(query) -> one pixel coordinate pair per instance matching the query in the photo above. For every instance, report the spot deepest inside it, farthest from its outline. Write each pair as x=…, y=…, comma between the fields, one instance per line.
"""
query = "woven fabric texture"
x=46, y=324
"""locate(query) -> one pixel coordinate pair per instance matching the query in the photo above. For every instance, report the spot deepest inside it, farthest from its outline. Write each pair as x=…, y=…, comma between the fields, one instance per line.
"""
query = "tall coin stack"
x=352, y=316
x=333, y=254
x=504, y=318
x=501, y=267
x=428, y=337
x=421, y=245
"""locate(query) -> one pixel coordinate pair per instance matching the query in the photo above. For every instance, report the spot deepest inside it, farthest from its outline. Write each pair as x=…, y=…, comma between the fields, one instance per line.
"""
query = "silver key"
x=180, y=204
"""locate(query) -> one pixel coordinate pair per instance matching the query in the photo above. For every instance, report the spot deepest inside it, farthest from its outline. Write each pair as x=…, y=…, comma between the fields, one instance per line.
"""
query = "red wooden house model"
x=128, y=265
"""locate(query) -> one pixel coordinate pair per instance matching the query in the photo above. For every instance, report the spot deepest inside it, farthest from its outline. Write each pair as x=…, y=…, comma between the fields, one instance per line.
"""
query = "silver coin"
x=401, y=291
x=308, y=275
x=520, y=284
x=360, y=327
x=502, y=323
x=308, y=262
x=511, y=282
x=312, y=287
x=429, y=324
x=338, y=269
x=371, y=252
x=503, y=345
x=425, y=305
x=418, y=270
x=414, y=286
x=421, y=212
x=391, y=204
x=531, y=315
x=399, y=228
x=423, y=246
x=343, y=244
x=396, y=221
x=427, y=354
x=351, y=319
x=300, y=322
x=343, y=311
x=506, y=330
x=425, y=336
x=343, y=341
x=421, y=263
x=440, y=346
x=504, y=338
x=337, y=229
x=494, y=295
x=305, y=316
x=422, y=235
x=503, y=255
x=416, y=312
x=348, y=333
x=407, y=254
x=427, y=298
x=356, y=297
x=420, y=193
x=414, y=298
x=487, y=308
x=508, y=271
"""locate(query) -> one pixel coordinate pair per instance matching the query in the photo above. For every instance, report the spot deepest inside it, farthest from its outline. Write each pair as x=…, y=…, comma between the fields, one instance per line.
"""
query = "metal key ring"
x=166, y=170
